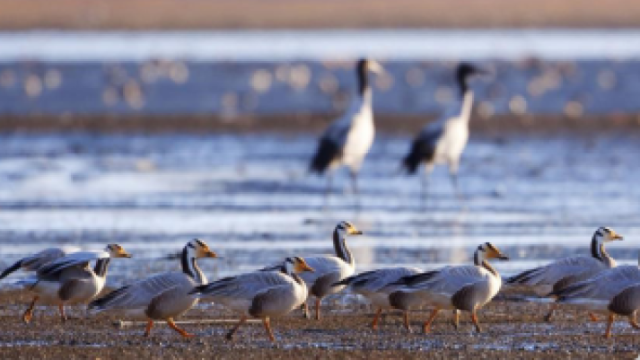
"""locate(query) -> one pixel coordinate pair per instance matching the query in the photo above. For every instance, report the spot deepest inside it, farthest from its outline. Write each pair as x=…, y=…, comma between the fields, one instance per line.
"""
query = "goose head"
x=346, y=228
x=489, y=251
x=117, y=251
x=199, y=249
x=296, y=265
x=606, y=234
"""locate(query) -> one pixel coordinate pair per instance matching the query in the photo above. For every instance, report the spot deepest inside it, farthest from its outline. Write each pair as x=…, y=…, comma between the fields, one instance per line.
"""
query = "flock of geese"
x=63, y=277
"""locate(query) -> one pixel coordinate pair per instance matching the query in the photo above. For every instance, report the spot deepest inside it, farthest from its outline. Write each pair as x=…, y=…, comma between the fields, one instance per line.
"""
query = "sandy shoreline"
x=511, y=329
x=199, y=14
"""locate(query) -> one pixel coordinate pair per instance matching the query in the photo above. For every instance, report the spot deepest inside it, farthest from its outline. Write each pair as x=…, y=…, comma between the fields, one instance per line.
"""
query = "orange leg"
x=267, y=326
x=474, y=318
x=456, y=318
x=28, y=314
x=374, y=324
x=607, y=333
x=318, y=308
x=147, y=331
x=593, y=317
x=176, y=328
x=305, y=310
x=63, y=316
x=427, y=324
x=235, y=328
x=407, y=325
x=633, y=322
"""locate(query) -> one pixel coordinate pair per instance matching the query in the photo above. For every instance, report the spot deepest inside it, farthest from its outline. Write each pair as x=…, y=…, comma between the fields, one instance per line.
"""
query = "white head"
x=116, y=251
x=296, y=265
x=606, y=234
x=346, y=228
x=199, y=249
x=489, y=251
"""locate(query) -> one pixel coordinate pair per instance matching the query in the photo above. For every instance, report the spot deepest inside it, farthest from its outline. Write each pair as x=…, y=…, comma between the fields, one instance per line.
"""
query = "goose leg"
x=405, y=317
x=607, y=333
x=593, y=317
x=267, y=326
x=147, y=330
x=63, y=316
x=176, y=328
x=28, y=314
x=305, y=310
x=456, y=318
x=427, y=325
x=474, y=318
x=549, y=315
x=374, y=324
x=235, y=328
x=318, y=308
x=633, y=321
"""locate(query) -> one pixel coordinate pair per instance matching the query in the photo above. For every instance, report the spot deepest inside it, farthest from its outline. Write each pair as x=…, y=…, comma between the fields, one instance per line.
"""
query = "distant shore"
x=296, y=14
x=305, y=123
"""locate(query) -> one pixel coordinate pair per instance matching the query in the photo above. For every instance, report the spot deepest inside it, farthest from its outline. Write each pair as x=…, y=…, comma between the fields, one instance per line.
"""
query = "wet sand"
x=511, y=329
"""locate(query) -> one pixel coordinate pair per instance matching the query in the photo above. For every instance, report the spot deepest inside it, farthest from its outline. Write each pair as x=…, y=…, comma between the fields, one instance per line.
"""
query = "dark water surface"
x=536, y=197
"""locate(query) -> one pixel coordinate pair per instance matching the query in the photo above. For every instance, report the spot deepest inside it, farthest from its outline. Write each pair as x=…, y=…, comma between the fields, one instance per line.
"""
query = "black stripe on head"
x=191, y=245
x=480, y=248
x=490, y=246
x=200, y=242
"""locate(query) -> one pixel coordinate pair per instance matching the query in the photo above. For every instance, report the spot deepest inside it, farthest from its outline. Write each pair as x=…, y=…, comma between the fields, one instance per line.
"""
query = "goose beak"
x=306, y=267
x=125, y=254
x=502, y=257
x=618, y=237
x=211, y=254
x=356, y=232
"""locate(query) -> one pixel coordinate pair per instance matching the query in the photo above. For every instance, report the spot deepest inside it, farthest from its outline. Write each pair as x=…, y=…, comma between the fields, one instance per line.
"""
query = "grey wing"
x=375, y=280
x=78, y=259
x=556, y=271
x=38, y=260
x=604, y=286
x=244, y=286
x=322, y=265
x=140, y=294
x=451, y=279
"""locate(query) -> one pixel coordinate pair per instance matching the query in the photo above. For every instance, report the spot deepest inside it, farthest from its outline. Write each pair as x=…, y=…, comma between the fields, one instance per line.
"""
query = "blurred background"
x=150, y=122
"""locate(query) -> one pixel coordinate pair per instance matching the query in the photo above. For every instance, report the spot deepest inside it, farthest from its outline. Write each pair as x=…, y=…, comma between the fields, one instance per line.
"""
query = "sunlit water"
x=397, y=44
x=535, y=197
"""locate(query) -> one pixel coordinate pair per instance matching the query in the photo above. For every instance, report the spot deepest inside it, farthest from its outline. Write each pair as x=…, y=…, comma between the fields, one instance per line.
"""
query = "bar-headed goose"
x=375, y=286
x=261, y=294
x=466, y=288
x=564, y=272
x=330, y=269
x=69, y=280
x=348, y=139
x=613, y=292
x=164, y=296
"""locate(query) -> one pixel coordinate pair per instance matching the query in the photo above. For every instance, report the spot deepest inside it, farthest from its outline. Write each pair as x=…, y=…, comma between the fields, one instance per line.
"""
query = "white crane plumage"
x=443, y=141
x=348, y=139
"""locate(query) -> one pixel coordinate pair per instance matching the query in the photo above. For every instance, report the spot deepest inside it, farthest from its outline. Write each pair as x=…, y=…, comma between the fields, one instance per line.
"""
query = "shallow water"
x=535, y=197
